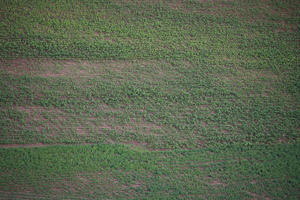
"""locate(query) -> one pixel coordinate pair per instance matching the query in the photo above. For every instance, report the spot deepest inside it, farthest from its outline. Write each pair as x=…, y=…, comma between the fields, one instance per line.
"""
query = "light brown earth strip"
x=37, y=145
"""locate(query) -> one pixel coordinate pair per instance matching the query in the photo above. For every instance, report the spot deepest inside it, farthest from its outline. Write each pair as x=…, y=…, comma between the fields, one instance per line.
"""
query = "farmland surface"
x=140, y=99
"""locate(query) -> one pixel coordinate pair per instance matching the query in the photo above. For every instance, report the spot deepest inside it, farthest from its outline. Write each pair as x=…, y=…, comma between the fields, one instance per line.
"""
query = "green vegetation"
x=115, y=171
x=153, y=99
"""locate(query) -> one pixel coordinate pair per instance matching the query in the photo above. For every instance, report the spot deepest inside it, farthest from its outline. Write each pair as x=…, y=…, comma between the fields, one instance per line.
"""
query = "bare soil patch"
x=204, y=106
x=215, y=183
x=283, y=140
x=136, y=185
x=74, y=68
x=176, y=5
x=241, y=78
x=39, y=145
x=256, y=196
x=140, y=126
x=41, y=118
x=136, y=143
x=204, y=124
x=105, y=127
x=80, y=130
x=23, y=145
x=108, y=109
x=161, y=149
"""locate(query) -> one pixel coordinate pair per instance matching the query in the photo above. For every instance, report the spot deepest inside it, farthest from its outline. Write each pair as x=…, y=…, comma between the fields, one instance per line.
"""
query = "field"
x=140, y=99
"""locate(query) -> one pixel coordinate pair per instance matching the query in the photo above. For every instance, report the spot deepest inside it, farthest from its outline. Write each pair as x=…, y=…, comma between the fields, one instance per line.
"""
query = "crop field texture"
x=150, y=99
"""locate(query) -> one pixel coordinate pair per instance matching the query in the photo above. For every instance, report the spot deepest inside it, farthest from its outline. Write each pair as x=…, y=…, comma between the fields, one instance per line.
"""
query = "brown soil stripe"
x=37, y=145
x=6, y=146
